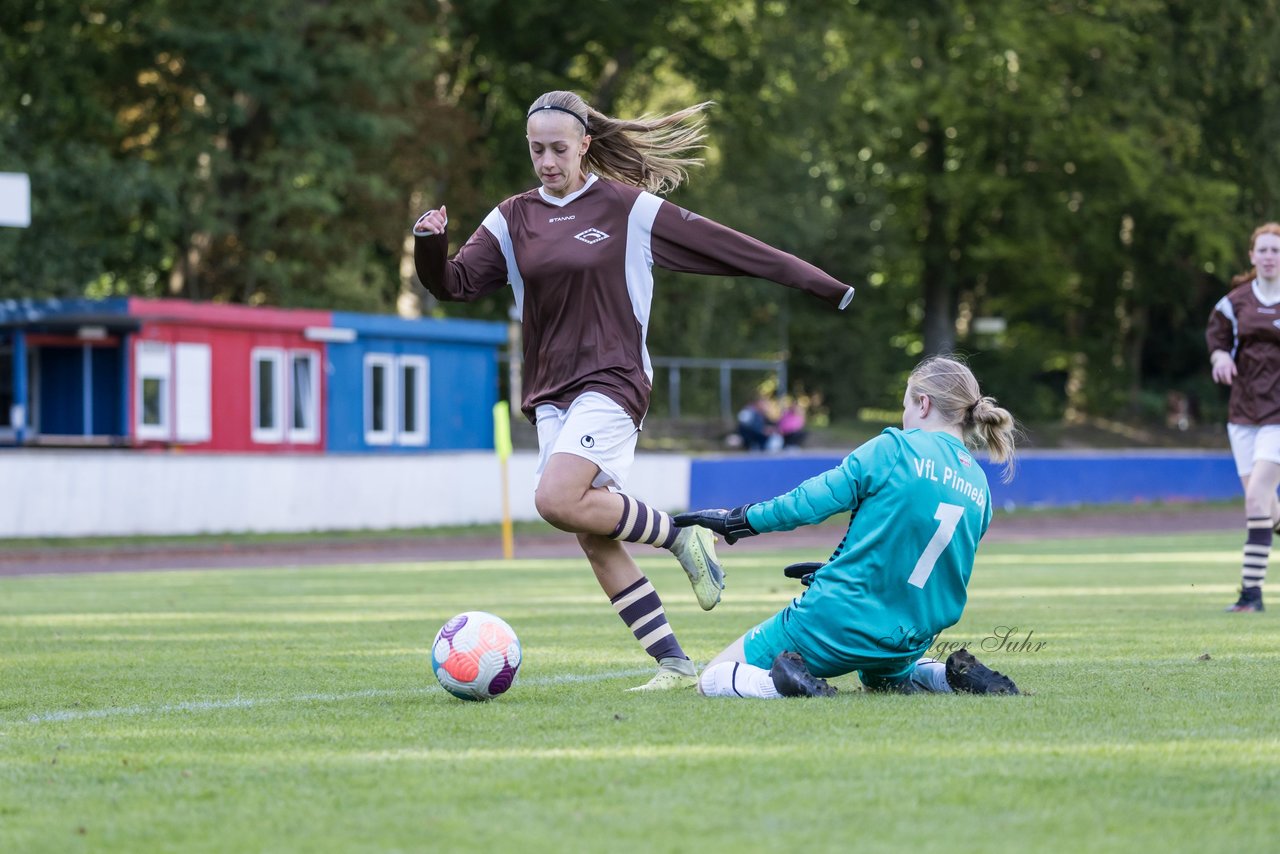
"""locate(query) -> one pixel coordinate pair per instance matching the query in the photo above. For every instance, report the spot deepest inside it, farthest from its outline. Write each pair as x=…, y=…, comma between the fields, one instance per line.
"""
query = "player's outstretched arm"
x=688, y=243
x=730, y=524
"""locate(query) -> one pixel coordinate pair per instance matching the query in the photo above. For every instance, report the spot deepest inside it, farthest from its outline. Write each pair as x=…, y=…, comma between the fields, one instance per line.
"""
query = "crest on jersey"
x=965, y=460
x=591, y=235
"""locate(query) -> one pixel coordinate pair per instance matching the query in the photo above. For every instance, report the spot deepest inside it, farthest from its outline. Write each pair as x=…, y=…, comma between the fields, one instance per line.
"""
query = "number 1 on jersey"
x=948, y=516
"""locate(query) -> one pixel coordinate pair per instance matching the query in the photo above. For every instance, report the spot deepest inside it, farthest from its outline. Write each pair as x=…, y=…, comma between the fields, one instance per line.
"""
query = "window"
x=173, y=388
x=304, y=389
x=153, y=376
x=286, y=406
x=395, y=402
x=267, y=384
x=413, y=401
x=378, y=399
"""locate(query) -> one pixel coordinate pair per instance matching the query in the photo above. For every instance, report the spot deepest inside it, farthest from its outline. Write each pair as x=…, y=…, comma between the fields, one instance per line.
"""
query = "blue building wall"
x=464, y=388
x=1042, y=479
x=462, y=364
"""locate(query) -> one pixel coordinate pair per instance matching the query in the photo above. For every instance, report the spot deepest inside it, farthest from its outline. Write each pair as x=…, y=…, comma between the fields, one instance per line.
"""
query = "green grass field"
x=293, y=710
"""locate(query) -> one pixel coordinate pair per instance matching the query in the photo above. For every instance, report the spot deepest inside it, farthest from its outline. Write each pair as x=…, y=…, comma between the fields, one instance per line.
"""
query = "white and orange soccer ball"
x=476, y=656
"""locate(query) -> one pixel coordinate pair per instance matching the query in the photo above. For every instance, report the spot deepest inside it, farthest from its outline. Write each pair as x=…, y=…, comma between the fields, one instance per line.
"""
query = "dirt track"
x=407, y=550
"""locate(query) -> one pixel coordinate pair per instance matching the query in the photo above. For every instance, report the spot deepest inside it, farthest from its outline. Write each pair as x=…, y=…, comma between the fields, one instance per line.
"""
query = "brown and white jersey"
x=581, y=271
x=1248, y=327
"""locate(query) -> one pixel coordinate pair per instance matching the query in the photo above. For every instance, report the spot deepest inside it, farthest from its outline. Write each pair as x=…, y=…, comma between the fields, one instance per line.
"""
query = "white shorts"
x=594, y=428
x=1250, y=442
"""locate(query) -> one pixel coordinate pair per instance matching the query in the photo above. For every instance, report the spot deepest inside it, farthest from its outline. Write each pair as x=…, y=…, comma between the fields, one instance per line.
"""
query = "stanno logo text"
x=562, y=218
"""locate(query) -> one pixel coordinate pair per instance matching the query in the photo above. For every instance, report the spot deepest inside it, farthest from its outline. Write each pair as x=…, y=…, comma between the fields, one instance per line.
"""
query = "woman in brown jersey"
x=578, y=252
x=1244, y=349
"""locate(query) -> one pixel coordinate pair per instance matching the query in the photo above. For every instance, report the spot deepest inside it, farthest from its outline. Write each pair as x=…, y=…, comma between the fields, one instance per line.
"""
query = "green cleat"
x=672, y=673
x=695, y=548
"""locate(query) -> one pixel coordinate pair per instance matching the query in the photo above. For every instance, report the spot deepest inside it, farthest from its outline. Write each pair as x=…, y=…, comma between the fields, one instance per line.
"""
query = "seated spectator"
x=754, y=425
x=791, y=425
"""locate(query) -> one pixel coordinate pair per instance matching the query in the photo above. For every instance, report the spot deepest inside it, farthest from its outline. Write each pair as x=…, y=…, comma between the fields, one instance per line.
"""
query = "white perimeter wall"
x=46, y=493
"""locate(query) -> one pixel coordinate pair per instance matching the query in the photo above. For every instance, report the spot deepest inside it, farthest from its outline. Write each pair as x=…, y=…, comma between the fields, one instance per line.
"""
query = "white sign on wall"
x=15, y=199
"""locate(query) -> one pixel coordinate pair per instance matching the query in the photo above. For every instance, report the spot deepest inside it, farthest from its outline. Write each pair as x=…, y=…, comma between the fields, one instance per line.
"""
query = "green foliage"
x=242, y=151
x=292, y=709
x=1086, y=172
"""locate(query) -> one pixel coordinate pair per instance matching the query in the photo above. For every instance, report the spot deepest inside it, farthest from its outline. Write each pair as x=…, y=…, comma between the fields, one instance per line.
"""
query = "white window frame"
x=153, y=360
x=418, y=365
x=387, y=363
x=275, y=356
x=310, y=433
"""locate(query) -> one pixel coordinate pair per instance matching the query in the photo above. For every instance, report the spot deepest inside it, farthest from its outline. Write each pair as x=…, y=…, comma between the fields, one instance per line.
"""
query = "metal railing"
x=676, y=364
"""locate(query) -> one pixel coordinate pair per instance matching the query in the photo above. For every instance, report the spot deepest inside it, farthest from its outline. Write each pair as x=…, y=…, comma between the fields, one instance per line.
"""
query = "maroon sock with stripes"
x=642, y=611
x=640, y=523
x=1257, y=551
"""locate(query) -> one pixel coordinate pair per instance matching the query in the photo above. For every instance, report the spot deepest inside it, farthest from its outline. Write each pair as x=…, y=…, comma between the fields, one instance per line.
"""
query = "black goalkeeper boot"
x=967, y=675
x=792, y=678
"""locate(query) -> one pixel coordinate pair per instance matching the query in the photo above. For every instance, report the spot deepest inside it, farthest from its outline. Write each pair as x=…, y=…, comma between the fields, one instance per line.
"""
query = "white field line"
x=64, y=715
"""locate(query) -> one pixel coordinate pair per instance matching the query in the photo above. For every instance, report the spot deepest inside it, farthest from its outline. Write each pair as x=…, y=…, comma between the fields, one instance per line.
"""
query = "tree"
x=1085, y=172
x=240, y=151
x=97, y=207
x=1045, y=164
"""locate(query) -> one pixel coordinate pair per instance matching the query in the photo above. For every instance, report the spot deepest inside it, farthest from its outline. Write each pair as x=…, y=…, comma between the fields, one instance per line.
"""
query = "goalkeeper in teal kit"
x=919, y=503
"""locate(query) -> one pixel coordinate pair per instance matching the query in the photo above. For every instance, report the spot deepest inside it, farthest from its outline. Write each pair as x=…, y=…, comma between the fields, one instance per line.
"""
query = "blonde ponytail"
x=954, y=391
x=653, y=152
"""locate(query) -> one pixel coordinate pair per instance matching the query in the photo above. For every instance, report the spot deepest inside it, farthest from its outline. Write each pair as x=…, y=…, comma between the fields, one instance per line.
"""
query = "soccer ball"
x=476, y=656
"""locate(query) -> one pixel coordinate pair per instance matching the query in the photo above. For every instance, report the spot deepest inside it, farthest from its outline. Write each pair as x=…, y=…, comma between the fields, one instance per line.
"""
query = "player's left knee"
x=556, y=507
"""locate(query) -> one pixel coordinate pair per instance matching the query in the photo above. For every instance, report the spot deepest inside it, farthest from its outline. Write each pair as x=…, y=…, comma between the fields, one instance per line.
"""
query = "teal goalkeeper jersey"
x=920, y=504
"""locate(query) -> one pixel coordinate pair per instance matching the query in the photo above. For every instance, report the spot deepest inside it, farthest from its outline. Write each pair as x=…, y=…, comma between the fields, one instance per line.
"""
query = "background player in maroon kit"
x=578, y=253
x=1244, y=348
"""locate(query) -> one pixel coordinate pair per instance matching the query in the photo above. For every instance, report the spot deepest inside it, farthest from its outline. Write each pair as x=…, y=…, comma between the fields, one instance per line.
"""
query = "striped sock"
x=641, y=609
x=640, y=523
x=1257, y=550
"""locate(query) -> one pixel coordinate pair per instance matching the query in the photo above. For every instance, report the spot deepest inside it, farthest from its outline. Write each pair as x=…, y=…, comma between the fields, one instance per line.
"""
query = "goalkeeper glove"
x=730, y=524
x=803, y=571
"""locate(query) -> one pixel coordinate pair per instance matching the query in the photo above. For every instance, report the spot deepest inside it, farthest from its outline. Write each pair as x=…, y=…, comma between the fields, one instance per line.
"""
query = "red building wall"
x=232, y=333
